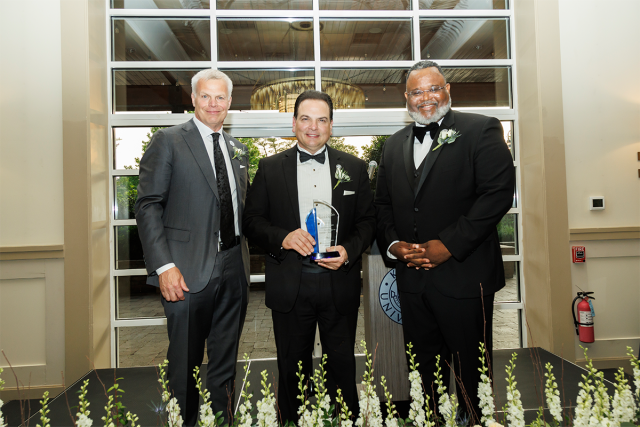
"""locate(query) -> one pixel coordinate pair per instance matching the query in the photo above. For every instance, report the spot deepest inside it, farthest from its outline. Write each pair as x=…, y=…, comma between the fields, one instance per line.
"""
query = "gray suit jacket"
x=178, y=209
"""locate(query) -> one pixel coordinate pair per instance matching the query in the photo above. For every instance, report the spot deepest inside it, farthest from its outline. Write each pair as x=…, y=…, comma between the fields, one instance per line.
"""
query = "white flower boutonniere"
x=239, y=153
x=446, y=137
x=341, y=176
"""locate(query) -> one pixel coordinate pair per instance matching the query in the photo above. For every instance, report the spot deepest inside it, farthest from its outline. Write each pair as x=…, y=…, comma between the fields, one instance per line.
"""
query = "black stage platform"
x=141, y=388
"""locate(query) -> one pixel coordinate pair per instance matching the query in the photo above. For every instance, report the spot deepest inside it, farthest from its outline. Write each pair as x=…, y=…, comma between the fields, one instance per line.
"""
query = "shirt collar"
x=421, y=125
x=322, y=150
x=205, y=130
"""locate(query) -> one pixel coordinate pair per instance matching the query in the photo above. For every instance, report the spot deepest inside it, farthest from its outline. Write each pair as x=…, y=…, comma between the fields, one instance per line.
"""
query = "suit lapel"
x=336, y=192
x=290, y=170
x=407, y=151
x=432, y=156
x=196, y=145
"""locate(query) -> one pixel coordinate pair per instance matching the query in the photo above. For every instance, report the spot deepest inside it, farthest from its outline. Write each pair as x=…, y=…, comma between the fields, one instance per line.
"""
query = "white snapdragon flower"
x=515, y=411
x=174, y=418
x=624, y=405
x=485, y=392
x=207, y=419
x=370, y=414
x=583, y=404
x=81, y=421
x=552, y=394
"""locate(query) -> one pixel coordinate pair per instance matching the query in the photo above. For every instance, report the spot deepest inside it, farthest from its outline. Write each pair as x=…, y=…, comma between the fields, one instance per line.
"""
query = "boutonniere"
x=239, y=153
x=446, y=137
x=341, y=176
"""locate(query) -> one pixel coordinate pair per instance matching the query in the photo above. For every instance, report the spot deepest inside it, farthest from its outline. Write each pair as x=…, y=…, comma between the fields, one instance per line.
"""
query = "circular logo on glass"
x=389, y=298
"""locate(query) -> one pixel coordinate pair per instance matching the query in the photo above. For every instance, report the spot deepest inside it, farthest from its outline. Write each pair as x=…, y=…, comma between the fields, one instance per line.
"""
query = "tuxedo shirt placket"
x=314, y=182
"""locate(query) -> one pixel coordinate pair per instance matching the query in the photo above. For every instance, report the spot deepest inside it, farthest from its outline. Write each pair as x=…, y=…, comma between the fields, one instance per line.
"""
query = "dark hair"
x=313, y=94
x=426, y=64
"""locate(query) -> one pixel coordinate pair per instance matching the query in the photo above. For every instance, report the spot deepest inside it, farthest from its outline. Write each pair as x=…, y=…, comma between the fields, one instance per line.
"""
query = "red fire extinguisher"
x=584, y=327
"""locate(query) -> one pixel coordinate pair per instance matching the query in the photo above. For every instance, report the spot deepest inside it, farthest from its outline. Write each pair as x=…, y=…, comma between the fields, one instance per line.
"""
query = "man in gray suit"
x=193, y=181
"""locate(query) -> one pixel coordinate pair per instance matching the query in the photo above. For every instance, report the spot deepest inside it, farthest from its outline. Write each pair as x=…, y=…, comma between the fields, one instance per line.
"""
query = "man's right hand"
x=401, y=249
x=172, y=285
x=300, y=241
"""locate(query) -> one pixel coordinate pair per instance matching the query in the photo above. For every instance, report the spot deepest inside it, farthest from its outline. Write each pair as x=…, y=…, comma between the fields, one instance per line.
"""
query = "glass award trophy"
x=322, y=223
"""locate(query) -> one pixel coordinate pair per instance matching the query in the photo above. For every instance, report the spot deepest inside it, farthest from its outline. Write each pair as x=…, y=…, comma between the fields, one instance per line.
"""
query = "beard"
x=440, y=112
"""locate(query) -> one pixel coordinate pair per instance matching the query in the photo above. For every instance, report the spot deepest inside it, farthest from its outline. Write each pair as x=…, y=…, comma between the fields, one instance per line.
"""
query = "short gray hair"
x=210, y=74
x=426, y=64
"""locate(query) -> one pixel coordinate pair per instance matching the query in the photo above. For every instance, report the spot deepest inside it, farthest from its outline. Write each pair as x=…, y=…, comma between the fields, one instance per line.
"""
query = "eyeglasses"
x=418, y=93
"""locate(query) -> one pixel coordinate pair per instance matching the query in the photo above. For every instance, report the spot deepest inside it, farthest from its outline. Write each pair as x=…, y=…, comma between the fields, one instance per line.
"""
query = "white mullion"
x=508, y=306
x=256, y=14
x=159, y=13
x=130, y=323
x=214, y=13
x=415, y=21
x=512, y=258
x=257, y=278
x=446, y=63
x=112, y=285
x=266, y=64
x=123, y=172
x=367, y=15
x=317, y=65
x=515, y=210
x=159, y=65
x=129, y=272
x=123, y=222
x=463, y=13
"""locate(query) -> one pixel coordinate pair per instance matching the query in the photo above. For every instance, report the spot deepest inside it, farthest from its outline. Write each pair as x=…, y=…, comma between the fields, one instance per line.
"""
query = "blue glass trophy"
x=322, y=223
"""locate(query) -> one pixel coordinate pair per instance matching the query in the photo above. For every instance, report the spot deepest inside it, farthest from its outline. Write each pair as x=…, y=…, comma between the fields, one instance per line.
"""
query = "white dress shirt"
x=206, y=132
x=314, y=183
x=420, y=152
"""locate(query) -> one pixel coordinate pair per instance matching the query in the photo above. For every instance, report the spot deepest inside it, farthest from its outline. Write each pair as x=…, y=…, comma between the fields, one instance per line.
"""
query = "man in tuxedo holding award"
x=193, y=180
x=444, y=183
x=310, y=208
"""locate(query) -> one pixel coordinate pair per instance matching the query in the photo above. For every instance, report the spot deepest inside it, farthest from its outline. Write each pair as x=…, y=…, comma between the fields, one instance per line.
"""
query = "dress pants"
x=452, y=328
x=295, y=333
x=215, y=315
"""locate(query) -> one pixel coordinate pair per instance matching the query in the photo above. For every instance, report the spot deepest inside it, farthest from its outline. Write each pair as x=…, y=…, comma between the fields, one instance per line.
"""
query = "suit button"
x=415, y=209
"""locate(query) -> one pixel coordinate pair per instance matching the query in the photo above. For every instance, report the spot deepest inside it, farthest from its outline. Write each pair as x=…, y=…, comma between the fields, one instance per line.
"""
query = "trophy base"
x=323, y=255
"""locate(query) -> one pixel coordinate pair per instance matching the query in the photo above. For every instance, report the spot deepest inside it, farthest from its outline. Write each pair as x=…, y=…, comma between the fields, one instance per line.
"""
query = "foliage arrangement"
x=594, y=407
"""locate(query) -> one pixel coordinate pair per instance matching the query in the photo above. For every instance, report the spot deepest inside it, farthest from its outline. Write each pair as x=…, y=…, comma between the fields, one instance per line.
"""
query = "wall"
x=31, y=196
x=600, y=45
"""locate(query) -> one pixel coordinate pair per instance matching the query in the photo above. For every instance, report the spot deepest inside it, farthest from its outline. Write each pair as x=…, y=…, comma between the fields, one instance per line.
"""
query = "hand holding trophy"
x=322, y=223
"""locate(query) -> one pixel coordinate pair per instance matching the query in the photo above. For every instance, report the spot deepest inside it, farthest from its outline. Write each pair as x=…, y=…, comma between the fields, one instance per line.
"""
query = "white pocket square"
x=242, y=166
x=348, y=193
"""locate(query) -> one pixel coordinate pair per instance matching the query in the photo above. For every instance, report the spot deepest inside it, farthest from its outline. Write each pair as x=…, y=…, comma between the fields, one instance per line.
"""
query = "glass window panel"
x=506, y=329
x=365, y=5
x=265, y=40
x=142, y=346
x=265, y=4
x=464, y=38
x=166, y=91
x=135, y=299
x=365, y=88
x=508, y=234
x=508, y=136
x=479, y=87
x=160, y=4
x=463, y=4
x=268, y=89
x=126, y=191
x=358, y=40
x=128, y=248
x=153, y=39
x=129, y=145
x=511, y=290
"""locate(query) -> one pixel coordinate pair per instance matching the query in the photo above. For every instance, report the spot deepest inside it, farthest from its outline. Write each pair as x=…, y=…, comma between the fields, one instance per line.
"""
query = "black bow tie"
x=317, y=157
x=420, y=131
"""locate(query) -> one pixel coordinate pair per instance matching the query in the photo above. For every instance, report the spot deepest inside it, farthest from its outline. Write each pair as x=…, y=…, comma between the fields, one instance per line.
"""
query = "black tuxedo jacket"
x=272, y=212
x=465, y=189
x=178, y=209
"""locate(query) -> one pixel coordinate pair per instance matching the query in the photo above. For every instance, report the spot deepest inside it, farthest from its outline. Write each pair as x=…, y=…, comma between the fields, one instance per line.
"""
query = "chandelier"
x=281, y=94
